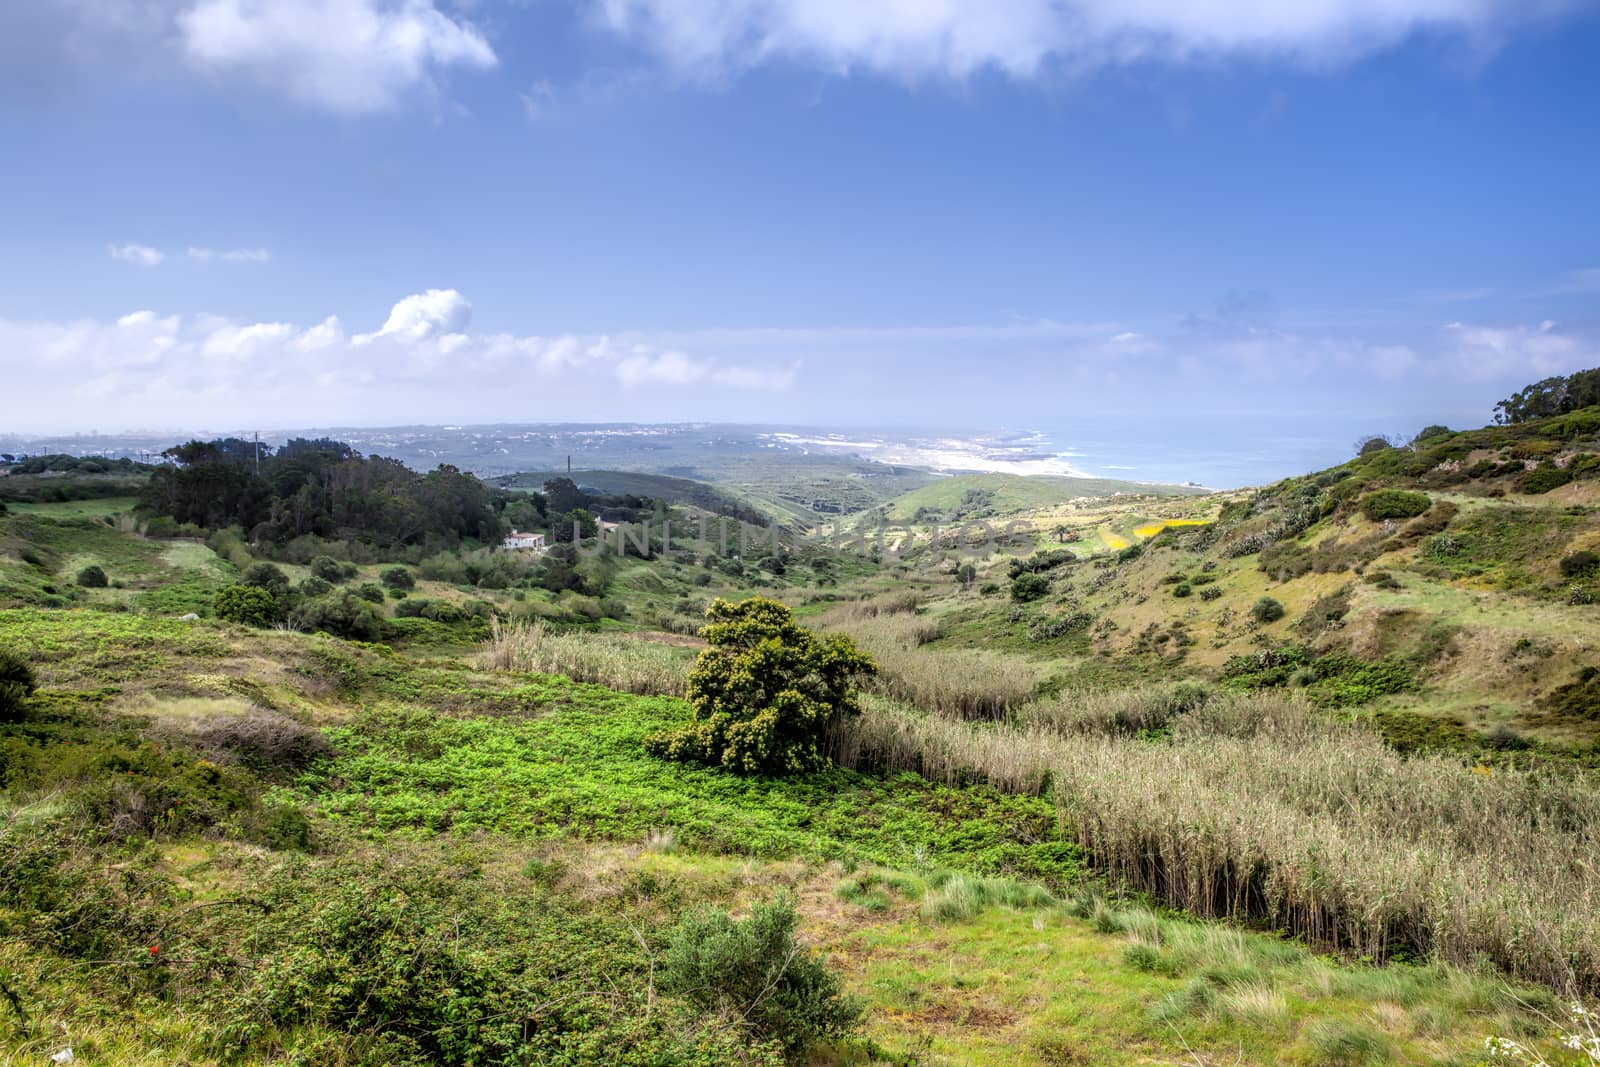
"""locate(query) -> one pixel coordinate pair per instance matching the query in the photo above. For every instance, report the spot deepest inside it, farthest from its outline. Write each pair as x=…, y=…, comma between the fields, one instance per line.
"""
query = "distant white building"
x=517, y=541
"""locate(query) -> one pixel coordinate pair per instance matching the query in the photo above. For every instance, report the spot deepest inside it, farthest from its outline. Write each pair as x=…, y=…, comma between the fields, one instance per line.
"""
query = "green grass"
x=571, y=763
x=1010, y=493
x=76, y=509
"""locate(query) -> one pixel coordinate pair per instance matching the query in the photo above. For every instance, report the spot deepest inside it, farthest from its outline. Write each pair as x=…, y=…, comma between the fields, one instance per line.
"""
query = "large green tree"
x=765, y=692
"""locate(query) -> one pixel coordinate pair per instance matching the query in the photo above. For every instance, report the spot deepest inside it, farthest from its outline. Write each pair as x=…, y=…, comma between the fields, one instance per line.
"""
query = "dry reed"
x=1259, y=808
x=611, y=660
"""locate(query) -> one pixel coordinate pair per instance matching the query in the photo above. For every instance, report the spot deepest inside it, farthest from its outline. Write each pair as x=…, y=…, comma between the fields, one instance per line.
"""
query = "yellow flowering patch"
x=1113, y=541
x=1150, y=529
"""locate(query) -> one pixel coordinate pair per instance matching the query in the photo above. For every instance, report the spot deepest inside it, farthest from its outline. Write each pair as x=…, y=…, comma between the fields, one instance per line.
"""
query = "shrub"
x=346, y=616
x=397, y=578
x=246, y=604
x=1131, y=553
x=1026, y=587
x=17, y=684
x=371, y=592
x=266, y=576
x=1210, y=592
x=766, y=691
x=93, y=577
x=1266, y=610
x=1394, y=504
x=1542, y=479
x=327, y=568
x=315, y=586
x=264, y=741
x=1182, y=589
x=753, y=973
x=1578, y=564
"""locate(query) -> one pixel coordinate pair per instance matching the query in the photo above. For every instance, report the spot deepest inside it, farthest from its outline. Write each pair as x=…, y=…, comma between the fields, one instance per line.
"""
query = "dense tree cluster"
x=1552, y=396
x=324, y=488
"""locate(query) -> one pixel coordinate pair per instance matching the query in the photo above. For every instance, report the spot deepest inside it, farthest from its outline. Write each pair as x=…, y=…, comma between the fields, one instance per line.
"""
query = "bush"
x=1266, y=610
x=328, y=569
x=17, y=684
x=266, y=576
x=1578, y=564
x=1394, y=504
x=1542, y=479
x=1210, y=592
x=371, y=592
x=1182, y=589
x=753, y=973
x=346, y=616
x=765, y=693
x=247, y=604
x=315, y=586
x=397, y=578
x=93, y=577
x=1026, y=587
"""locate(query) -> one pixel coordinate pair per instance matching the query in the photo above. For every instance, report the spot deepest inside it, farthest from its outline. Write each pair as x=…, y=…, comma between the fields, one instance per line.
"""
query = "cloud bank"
x=150, y=369
x=425, y=363
x=1026, y=38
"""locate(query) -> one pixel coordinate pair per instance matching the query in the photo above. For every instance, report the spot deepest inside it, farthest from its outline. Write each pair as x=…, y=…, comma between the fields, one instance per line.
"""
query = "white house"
x=518, y=541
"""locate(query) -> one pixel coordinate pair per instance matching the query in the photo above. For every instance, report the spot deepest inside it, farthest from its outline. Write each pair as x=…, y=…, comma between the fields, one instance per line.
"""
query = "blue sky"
x=1218, y=214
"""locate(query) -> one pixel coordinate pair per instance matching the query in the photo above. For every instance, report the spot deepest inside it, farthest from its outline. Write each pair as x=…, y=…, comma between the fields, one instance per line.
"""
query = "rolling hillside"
x=977, y=496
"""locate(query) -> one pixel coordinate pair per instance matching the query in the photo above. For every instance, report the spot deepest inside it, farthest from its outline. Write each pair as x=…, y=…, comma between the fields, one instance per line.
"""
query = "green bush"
x=345, y=615
x=1579, y=563
x=328, y=569
x=1026, y=587
x=17, y=684
x=1210, y=592
x=1266, y=610
x=266, y=576
x=314, y=586
x=1394, y=504
x=765, y=693
x=93, y=577
x=1182, y=589
x=371, y=592
x=754, y=974
x=397, y=578
x=1542, y=479
x=247, y=604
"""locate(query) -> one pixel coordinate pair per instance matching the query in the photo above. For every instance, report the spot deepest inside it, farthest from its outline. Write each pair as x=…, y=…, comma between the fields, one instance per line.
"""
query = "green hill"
x=663, y=487
x=978, y=496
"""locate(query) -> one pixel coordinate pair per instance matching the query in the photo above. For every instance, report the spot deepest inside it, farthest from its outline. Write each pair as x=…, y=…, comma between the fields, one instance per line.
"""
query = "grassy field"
x=990, y=495
x=512, y=811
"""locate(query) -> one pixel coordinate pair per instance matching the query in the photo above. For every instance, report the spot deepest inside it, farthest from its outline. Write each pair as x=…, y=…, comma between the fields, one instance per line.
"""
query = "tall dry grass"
x=963, y=683
x=1259, y=808
x=611, y=660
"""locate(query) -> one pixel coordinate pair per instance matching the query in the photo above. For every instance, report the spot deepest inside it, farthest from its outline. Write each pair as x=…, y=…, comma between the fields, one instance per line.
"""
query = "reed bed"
x=962, y=683
x=1259, y=809
x=611, y=660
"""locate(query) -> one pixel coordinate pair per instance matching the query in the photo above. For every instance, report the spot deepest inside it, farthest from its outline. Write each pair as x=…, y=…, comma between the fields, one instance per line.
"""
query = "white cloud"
x=350, y=57
x=1486, y=352
x=917, y=39
x=645, y=367
x=189, y=370
x=423, y=315
x=140, y=255
x=229, y=255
